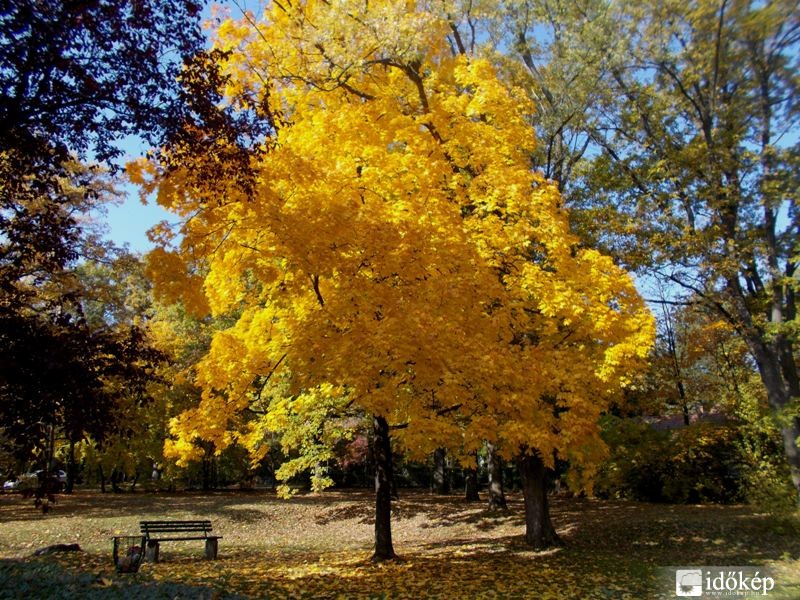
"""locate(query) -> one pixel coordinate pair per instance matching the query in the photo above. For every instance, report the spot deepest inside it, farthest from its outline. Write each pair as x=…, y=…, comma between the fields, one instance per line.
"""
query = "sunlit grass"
x=318, y=546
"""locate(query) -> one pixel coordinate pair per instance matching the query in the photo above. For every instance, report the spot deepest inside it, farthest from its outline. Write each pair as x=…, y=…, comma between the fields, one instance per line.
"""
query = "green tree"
x=690, y=175
x=542, y=47
x=694, y=131
x=56, y=365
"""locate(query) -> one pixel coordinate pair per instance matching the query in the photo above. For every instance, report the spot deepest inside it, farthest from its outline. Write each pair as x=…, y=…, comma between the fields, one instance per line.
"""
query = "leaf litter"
x=319, y=546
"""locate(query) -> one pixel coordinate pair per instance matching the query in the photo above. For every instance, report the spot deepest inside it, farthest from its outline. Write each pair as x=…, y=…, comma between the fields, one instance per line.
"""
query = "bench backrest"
x=149, y=527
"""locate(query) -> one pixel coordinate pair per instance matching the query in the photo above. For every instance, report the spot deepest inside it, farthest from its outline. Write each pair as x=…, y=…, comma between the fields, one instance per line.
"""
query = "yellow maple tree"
x=396, y=244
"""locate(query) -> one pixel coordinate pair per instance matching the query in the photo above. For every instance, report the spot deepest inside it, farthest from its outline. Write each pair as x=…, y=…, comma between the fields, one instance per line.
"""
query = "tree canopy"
x=696, y=127
x=397, y=244
x=75, y=79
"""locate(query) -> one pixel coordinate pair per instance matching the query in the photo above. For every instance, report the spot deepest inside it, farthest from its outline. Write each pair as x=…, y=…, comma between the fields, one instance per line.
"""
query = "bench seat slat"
x=176, y=526
x=177, y=523
x=182, y=521
x=183, y=539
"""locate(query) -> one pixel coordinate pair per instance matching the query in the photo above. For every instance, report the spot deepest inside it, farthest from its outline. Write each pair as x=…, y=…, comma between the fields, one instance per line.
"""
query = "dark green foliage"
x=704, y=462
x=54, y=372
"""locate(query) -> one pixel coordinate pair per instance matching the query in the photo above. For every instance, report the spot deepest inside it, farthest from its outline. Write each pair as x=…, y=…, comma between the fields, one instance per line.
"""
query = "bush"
x=702, y=462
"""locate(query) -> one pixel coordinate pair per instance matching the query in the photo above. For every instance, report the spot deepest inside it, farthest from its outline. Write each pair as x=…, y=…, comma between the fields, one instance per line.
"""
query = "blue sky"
x=128, y=223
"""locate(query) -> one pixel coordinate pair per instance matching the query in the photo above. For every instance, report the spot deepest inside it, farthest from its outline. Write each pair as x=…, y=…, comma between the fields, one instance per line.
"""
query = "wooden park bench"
x=175, y=531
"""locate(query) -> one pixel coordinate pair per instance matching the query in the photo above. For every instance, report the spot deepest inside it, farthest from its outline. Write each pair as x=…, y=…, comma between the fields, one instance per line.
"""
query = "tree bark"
x=441, y=482
x=382, y=452
x=779, y=381
x=471, y=485
x=778, y=397
x=115, y=479
x=206, y=479
x=71, y=468
x=494, y=464
x=539, y=530
x=394, y=488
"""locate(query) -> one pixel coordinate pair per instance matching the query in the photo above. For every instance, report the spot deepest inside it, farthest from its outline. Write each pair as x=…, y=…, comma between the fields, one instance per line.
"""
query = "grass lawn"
x=318, y=546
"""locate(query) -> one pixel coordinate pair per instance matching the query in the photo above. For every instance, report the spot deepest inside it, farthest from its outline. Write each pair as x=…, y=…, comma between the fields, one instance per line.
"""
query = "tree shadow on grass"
x=52, y=580
x=676, y=534
x=145, y=504
x=459, y=569
x=612, y=549
x=435, y=511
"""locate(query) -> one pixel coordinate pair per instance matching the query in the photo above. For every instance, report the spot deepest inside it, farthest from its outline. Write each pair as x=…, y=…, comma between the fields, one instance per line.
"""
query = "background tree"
x=684, y=112
x=717, y=427
x=494, y=467
x=115, y=297
x=693, y=129
x=541, y=46
x=57, y=366
x=75, y=78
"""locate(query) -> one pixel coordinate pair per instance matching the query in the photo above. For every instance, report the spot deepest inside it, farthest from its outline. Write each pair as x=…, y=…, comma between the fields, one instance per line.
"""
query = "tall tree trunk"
x=441, y=482
x=780, y=380
x=115, y=478
x=51, y=452
x=208, y=466
x=539, y=530
x=382, y=451
x=394, y=488
x=778, y=397
x=471, y=485
x=206, y=477
x=71, y=468
x=102, y=479
x=494, y=464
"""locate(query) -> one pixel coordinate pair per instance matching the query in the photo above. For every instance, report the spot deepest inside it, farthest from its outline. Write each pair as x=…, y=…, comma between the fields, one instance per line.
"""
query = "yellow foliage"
x=398, y=244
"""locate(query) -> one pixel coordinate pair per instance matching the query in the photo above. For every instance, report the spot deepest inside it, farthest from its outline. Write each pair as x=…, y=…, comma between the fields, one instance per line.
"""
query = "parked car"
x=11, y=484
x=32, y=479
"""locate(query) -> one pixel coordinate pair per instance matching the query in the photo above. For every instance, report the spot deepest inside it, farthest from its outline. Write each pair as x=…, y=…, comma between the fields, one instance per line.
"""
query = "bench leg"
x=151, y=554
x=211, y=548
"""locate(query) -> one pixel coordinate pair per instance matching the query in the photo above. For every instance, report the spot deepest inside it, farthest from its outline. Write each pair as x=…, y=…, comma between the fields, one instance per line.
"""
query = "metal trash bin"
x=128, y=552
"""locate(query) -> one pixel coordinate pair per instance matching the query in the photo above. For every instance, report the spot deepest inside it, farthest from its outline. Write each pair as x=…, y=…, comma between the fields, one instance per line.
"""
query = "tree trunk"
x=471, y=485
x=778, y=397
x=102, y=479
x=494, y=464
x=208, y=482
x=539, y=531
x=441, y=483
x=394, y=488
x=779, y=379
x=206, y=478
x=115, y=478
x=71, y=468
x=382, y=451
